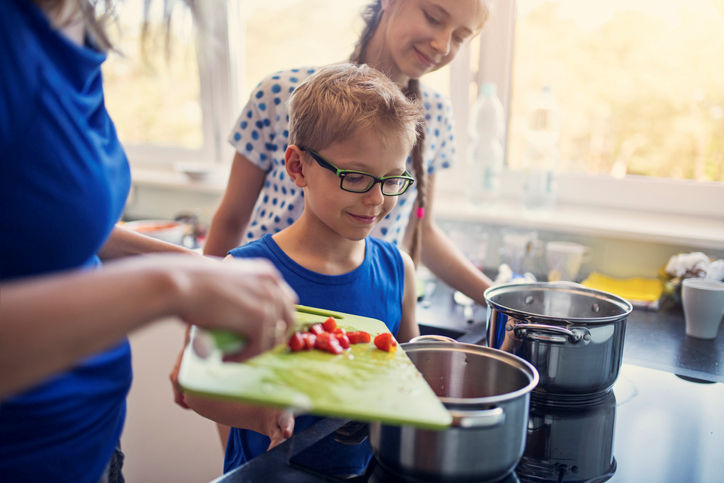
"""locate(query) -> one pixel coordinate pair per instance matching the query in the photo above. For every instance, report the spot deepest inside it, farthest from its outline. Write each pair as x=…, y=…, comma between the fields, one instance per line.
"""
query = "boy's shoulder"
x=380, y=248
x=253, y=249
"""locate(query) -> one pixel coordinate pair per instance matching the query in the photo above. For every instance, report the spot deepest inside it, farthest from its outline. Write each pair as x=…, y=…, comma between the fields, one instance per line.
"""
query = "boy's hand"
x=280, y=424
x=178, y=394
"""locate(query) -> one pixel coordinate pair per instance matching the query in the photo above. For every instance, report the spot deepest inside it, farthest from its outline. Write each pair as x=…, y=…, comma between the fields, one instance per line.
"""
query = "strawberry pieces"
x=326, y=336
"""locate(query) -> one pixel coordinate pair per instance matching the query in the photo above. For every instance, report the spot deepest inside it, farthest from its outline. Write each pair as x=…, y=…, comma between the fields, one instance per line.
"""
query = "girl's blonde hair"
x=340, y=99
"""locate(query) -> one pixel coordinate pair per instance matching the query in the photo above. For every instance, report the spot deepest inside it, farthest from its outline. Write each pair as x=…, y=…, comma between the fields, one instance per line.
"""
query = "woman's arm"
x=48, y=323
x=233, y=214
x=408, y=323
x=123, y=242
x=444, y=259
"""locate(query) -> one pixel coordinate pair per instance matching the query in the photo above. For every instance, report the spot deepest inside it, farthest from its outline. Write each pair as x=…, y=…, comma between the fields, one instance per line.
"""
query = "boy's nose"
x=374, y=196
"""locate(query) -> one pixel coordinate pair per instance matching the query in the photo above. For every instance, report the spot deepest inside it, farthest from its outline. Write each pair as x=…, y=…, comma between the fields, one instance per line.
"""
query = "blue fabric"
x=64, y=179
x=374, y=289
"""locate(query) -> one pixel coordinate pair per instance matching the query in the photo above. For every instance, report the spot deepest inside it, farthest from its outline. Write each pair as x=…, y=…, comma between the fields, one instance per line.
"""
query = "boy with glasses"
x=350, y=132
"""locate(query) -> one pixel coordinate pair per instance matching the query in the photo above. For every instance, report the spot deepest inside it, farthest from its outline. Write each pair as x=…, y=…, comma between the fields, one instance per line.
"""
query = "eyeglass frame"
x=341, y=173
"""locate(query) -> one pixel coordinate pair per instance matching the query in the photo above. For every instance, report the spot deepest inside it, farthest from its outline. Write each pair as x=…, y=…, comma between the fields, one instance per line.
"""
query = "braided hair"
x=371, y=15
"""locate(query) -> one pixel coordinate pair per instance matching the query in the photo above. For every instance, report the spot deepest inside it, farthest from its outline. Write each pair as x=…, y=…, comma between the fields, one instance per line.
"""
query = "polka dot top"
x=261, y=135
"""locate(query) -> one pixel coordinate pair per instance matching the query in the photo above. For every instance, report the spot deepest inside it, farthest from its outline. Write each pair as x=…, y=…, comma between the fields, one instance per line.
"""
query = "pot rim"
x=459, y=402
x=623, y=304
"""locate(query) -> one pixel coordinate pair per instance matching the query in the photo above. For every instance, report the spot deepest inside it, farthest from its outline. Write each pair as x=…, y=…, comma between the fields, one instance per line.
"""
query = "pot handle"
x=572, y=337
x=432, y=338
x=486, y=418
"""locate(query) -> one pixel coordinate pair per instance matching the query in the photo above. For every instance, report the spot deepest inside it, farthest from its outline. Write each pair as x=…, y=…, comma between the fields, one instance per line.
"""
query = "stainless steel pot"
x=572, y=334
x=487, y=391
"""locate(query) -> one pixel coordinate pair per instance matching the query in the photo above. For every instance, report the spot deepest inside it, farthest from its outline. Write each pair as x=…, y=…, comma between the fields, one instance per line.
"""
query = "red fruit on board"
x=385, y=342
x=329, y=325
x=358, y=337
x=296, y=342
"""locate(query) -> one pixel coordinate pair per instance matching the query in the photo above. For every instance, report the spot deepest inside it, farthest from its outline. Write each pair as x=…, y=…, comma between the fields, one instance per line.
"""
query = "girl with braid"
x=404, y=39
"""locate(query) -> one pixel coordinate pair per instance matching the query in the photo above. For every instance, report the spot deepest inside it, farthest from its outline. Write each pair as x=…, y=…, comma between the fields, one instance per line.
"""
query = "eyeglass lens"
x=361, y=183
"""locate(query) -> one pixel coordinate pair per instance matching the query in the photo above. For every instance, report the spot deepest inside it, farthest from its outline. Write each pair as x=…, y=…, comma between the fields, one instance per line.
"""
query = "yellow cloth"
x=636, y=288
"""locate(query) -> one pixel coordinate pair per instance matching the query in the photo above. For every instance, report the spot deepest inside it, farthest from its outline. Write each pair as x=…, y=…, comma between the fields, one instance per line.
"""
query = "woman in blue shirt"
x=64, y=179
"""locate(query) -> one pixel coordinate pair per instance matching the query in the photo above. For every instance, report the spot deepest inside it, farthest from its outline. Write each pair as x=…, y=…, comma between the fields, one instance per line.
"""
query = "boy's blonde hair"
x=340, y=99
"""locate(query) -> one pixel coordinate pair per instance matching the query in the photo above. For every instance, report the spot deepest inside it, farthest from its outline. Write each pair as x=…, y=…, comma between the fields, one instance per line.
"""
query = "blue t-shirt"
x=374, y=289
x=64, y=179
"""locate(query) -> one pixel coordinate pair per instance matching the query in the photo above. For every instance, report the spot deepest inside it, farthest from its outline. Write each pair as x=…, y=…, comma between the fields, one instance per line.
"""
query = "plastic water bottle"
x=485, y=150
x=541, y=156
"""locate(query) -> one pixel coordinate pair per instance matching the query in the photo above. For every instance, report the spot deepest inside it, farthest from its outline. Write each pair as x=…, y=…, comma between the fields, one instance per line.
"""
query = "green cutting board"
x=364, y=383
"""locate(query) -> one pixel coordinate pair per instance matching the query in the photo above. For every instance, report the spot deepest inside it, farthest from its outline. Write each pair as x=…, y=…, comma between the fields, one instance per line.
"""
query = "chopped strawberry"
x=358, y=337
x=316, y=329
x=385, y=342
x=329, y=325
x=328, y=342
x=296, y=342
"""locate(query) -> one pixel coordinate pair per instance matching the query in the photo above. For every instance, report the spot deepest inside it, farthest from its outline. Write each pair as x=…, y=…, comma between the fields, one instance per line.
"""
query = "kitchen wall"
x=163, y=442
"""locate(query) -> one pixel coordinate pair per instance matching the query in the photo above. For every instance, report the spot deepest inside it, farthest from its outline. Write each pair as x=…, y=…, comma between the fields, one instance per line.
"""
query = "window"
x=184, y=104
x=639, y=82
x=154, y=98
x=641, y=92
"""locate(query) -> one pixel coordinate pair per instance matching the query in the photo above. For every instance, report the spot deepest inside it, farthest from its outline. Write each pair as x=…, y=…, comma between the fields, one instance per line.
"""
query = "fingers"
x=178, y=394
x=286, y=423
x=282, y=430
x=247, y=296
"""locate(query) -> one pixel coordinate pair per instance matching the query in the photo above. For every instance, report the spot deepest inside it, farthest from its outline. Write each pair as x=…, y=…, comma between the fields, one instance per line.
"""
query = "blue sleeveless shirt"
x=64, y=179
x=374, y=289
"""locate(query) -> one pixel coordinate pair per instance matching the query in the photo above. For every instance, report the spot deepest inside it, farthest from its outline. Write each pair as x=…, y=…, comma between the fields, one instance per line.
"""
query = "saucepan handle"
x=485, y=418
x=431, y=338
x=532, y=331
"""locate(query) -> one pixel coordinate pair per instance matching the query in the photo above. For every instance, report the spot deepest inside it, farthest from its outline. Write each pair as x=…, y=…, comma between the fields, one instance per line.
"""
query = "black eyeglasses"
x=359, y=182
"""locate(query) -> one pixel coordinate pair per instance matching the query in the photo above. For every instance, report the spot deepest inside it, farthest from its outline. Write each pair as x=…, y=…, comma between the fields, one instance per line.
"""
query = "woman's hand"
x=246, y=296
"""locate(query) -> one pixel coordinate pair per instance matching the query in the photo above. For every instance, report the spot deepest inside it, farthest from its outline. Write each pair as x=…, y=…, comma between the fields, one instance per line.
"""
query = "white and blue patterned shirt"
x=261, y=134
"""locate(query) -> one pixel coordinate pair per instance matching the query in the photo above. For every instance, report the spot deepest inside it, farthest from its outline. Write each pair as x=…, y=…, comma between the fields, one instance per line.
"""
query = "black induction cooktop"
x=653, y=426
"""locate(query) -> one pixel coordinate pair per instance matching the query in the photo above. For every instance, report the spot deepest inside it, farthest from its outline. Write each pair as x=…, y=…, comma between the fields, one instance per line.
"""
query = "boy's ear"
x=294, y=165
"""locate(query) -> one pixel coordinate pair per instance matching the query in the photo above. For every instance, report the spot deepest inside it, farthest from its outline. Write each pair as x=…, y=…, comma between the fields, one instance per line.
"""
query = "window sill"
x=699, y=232
x=212, y=181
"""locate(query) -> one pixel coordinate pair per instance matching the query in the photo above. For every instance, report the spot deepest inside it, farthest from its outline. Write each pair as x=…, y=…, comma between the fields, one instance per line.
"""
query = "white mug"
x=703, y=302
x=564, y=260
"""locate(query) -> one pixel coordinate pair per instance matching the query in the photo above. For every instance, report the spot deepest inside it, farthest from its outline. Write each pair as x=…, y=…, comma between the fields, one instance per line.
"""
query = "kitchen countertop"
x=654, y=339
x=667, y=427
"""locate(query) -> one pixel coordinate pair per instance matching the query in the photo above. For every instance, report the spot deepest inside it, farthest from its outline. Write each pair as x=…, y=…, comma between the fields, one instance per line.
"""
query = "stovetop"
x=653, y=426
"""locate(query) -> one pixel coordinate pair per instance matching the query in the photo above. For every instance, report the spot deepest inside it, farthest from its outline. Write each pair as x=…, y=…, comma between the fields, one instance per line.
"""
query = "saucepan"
x=572, y=334
x=487, y=392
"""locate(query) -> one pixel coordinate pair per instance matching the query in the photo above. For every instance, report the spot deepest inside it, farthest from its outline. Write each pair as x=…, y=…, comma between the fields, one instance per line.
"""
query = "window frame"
x=219, y=40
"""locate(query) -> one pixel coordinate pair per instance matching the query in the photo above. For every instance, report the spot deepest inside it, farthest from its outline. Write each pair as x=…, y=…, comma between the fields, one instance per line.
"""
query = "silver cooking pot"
x=572, y=334
x=486, y=391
